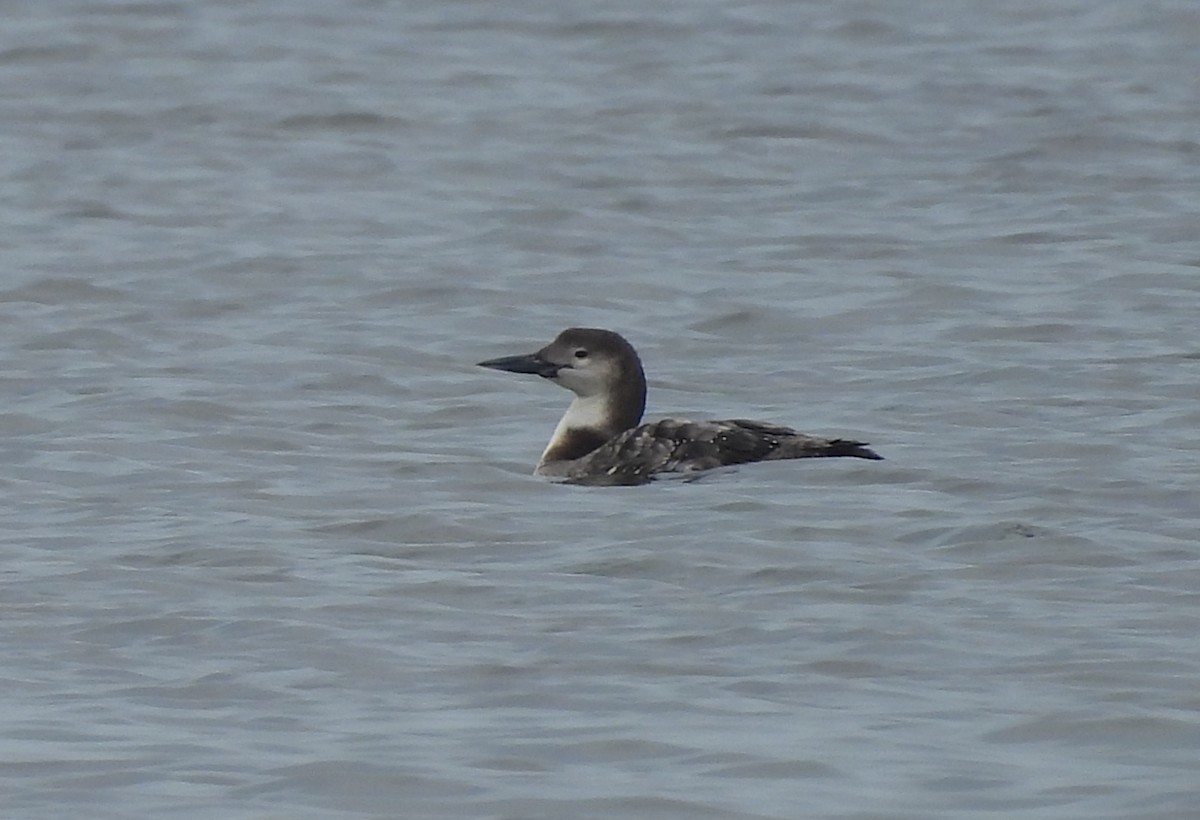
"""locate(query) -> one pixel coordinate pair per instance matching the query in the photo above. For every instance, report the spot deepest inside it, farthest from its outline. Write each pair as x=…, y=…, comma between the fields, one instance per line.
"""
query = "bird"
x=600, y=438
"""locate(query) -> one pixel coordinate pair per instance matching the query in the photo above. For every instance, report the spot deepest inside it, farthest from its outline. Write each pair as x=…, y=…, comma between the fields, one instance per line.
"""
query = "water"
x=270, y=544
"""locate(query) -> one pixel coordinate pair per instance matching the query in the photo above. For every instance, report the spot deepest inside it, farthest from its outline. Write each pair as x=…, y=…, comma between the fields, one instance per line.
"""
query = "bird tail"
x=809, y=447
x=857, y=449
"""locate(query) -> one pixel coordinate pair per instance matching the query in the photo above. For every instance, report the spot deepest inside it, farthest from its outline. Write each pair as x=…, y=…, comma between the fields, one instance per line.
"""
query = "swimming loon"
x=600, y=440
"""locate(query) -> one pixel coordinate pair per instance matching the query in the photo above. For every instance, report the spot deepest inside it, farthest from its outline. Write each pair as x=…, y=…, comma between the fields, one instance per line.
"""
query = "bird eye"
x=581, y=353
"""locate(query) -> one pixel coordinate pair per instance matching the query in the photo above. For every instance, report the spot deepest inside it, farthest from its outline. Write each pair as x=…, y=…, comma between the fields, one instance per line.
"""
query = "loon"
x=600, y=439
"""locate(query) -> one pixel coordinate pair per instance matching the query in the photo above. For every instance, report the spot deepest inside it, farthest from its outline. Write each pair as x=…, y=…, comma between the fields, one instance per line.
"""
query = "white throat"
x=586, y=413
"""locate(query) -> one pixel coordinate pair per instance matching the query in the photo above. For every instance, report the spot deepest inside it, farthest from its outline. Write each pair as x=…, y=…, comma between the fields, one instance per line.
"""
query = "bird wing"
x=678, y=445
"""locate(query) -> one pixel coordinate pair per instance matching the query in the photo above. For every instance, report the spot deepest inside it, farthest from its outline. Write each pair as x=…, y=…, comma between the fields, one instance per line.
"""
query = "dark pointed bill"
x=530, y=363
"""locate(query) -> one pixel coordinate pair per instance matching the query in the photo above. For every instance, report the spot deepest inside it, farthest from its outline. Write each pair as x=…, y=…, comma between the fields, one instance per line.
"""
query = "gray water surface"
x=270, y=543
